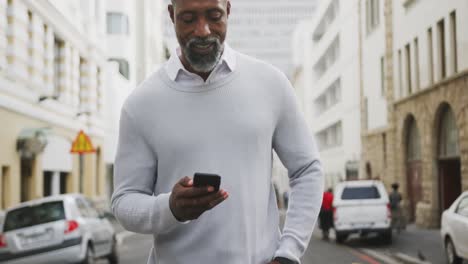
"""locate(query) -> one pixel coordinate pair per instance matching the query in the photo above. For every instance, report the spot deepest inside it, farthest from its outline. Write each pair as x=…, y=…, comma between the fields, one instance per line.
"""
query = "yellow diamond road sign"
x=82, y=144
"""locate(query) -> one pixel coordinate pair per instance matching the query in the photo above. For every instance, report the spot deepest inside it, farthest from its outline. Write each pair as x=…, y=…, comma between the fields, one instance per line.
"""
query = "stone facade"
x=425, y=108
x=384, y=149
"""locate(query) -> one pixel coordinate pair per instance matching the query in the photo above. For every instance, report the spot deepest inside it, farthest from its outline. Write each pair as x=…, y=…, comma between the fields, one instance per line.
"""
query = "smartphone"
x=207, y=179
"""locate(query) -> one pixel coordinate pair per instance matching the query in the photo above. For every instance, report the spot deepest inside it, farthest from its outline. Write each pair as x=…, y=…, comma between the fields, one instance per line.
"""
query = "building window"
x=5, y=186
x=99, y=90
x=30, y=43
x=117, y=23
x=59, y=58
x=9, y=37
x=124, y=67
x=329, y=98
x=384, y=147
x=366, y=114
x=441, y=50
x=382, y=76
x=400, y=73
x=330, y=137
x=330, y=16
x=416, y=64
x=413, y=142
x=409, y=88
x=372, y=14
x=430, y=50
x=448, y=145
x=83, y=83
x=328, y=59
x=453, y=33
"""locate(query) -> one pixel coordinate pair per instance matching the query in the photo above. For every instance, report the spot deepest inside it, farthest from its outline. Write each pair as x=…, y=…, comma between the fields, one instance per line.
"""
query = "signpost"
x=82, y=145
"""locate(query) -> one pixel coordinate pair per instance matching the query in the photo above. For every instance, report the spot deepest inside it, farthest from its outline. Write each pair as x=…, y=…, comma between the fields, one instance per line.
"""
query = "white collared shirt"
x=177, y=72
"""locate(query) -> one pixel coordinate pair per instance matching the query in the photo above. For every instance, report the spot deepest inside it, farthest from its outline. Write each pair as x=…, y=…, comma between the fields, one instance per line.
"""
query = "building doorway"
x=368, y=171
x=5, y=181
x=26, y=171
x=413, y=166
x=55, y=183
x=57, y=165
x=449, y=165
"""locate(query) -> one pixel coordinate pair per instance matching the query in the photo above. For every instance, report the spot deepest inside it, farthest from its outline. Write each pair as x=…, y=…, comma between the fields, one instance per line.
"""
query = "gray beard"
x=207, y=62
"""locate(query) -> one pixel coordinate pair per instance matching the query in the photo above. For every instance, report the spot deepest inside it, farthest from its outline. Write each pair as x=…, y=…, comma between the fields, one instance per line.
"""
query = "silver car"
x=58, y=229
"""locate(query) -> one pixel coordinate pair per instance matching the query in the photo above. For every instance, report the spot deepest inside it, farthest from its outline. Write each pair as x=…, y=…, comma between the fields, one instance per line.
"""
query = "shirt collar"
x=174, y=65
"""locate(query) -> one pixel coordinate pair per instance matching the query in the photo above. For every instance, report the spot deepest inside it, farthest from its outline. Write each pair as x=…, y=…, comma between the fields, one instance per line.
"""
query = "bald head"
x=173, y=2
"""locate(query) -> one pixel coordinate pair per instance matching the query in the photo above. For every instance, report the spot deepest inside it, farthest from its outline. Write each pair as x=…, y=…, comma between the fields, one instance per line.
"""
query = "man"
x=395, y=200
x=213, y=110
x=326, y=213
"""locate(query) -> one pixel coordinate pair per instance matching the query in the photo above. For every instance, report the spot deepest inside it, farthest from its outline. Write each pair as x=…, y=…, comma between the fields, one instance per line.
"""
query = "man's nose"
x=202, y=28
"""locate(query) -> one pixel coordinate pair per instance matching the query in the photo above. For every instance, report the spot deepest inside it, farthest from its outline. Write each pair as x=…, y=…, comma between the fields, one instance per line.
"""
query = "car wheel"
x=451, y=254
x=387, y=237
x=340, y=238
x=113, y=257
x=89, y=257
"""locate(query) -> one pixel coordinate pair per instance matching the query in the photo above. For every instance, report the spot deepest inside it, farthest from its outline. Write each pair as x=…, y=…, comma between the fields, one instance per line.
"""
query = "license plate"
x=362, y=225
x=37, y=239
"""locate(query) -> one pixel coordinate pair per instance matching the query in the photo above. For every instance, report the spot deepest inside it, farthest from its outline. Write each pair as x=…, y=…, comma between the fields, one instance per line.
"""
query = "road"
x=135, y=248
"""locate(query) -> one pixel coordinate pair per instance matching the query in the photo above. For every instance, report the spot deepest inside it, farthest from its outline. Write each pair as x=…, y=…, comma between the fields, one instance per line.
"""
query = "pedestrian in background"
x=326, y=214
x=397, y=215
x=214, y=110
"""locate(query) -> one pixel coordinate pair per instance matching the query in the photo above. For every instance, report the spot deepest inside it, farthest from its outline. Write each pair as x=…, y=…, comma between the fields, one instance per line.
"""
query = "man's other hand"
x=188, y=202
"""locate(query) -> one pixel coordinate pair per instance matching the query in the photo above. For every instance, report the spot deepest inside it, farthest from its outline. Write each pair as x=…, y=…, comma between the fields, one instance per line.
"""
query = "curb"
x=408, y=259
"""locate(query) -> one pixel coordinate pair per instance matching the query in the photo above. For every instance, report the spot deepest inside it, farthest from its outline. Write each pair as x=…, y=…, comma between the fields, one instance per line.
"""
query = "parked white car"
x=59, y=229
x=361, y=207
x=454, y=230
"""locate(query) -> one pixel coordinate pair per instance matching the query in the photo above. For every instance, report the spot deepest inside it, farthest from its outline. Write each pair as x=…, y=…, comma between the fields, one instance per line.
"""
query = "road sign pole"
x=82, y=145
x=81, y=172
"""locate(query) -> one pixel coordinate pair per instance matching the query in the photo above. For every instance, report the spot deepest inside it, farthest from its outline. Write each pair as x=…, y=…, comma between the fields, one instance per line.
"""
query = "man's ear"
x=170, y=9
x=228, y=8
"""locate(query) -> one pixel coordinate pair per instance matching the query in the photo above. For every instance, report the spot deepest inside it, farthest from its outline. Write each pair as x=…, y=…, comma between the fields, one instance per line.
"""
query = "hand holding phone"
x=207, y=179
x=191, y=198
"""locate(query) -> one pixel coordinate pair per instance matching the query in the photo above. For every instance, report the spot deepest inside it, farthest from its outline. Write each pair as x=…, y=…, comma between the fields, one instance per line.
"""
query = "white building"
x=262, y=29
x=51, y=87
x=134, y=37
x=135, y=48
x=327, y=80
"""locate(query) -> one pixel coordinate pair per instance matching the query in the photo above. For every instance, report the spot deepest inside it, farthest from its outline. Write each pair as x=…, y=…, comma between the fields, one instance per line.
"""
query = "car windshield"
x=358, y=193
x=34, y=215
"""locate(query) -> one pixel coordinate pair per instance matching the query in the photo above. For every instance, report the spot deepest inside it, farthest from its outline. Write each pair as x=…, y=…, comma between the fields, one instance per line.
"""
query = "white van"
x=361, y=207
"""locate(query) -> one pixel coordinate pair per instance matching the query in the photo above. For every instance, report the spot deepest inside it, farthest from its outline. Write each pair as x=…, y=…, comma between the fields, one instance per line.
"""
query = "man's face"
x=200, y=27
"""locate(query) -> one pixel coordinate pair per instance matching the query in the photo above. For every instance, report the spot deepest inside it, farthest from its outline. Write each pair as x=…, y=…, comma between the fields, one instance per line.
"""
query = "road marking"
x=380, y=256
x=362, y=256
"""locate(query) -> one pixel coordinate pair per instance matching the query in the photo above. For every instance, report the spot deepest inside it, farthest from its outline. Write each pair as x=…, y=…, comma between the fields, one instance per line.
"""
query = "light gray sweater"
x=229, y=127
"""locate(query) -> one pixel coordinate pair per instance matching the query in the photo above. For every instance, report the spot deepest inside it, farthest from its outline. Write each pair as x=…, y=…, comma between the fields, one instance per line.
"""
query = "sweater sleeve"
x=135, y=172
x=297, y=150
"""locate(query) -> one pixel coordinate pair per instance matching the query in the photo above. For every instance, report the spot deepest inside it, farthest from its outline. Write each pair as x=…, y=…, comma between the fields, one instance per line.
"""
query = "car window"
x=462, y=208
x=34, y=215
x=82, y=208
x=358, y=193
x=91, y=208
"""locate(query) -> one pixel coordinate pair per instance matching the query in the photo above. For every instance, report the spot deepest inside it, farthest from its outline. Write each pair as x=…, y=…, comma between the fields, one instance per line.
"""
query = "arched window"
x=414, y=142
x=448, y=137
